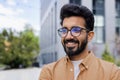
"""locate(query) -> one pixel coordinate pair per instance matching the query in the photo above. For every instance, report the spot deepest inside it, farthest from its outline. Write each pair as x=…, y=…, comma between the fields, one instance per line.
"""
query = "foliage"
x=18, y=49
x=118, y=63
x=117, y=49
x=106, y=55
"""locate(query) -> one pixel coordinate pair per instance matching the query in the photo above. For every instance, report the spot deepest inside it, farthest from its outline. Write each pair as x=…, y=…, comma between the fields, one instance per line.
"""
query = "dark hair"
x=69, y=10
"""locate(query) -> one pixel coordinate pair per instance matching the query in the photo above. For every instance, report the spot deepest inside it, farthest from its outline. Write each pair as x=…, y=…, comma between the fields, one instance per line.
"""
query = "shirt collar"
x=86, y=61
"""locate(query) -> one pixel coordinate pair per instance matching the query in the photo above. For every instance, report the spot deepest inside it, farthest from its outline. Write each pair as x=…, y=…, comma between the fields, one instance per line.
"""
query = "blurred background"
x=19, y=39
x=29, y=39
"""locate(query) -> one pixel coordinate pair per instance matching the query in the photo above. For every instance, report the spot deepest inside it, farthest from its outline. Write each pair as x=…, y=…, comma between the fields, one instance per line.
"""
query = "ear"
x=90, y=35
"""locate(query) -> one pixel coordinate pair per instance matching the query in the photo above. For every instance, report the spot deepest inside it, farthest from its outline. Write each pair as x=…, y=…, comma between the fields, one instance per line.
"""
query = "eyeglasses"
x=74, y=31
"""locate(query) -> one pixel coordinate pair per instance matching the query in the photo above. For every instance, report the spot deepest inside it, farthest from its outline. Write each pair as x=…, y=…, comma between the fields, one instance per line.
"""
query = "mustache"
x=71, y=40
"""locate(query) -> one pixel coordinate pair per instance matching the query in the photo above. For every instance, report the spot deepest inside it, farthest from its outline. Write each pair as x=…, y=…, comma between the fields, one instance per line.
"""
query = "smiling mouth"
x=70, y=44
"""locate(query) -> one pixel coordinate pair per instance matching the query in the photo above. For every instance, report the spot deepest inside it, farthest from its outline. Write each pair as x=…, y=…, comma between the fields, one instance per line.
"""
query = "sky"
x=16, y=13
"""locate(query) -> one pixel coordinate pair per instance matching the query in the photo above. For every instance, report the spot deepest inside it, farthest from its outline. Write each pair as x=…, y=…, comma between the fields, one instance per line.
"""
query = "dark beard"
x=69, y=51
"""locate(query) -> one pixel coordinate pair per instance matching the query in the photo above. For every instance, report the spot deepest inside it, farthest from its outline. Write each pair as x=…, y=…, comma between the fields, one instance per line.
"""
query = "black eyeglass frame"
x=71, y=31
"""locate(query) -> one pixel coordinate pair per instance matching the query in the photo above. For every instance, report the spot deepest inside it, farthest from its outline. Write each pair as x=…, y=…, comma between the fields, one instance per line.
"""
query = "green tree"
x=18, y=49
x=107, y=56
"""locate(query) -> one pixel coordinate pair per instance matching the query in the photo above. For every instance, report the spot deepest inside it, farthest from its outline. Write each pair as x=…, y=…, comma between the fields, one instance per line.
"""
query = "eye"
x=63, y=30
x=76, y=29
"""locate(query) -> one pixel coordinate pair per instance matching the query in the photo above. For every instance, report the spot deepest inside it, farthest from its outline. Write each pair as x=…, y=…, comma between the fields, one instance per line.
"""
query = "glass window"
x=98, y=10
x=118, y=17
x=99, y=20
x=118, y=31
x=76, y=2
x=118, y=8
x=98, y=37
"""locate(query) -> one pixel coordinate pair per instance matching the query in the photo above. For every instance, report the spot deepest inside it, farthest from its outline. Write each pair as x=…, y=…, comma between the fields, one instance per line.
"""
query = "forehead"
x=69, y=22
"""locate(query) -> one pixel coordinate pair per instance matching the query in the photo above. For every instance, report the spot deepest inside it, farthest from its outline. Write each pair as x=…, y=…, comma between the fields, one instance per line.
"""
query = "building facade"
x=107, y=27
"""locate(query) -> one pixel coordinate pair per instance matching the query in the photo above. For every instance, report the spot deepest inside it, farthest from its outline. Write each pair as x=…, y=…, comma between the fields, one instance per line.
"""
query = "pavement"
x=20, y=74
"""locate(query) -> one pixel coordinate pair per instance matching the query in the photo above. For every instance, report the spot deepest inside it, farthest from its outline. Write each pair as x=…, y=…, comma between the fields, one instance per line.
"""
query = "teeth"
x=70, y=43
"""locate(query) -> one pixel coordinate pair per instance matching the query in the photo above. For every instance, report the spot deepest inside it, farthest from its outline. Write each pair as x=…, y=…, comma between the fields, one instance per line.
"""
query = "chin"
x=72, y=52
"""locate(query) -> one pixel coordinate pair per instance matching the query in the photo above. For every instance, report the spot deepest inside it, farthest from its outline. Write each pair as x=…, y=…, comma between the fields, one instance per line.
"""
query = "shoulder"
x=109, y=68
x=48, y=69
x=108, y=65
x=52, y=65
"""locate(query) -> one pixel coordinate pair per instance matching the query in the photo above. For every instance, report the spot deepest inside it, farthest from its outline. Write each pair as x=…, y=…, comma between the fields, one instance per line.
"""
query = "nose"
x=69, y=35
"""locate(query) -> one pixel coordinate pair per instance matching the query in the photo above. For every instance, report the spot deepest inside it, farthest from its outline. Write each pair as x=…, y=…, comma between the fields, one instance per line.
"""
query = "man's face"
x=74, y=45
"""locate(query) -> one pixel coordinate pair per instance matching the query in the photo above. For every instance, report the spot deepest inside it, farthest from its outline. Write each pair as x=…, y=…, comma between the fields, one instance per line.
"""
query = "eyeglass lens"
x=75, y=31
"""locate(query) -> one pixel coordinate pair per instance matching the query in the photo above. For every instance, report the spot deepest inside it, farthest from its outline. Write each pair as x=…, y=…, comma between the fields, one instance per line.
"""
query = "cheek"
x=81, y=40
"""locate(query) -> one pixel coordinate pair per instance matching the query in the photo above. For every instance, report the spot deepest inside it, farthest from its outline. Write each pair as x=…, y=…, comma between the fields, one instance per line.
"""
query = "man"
x=80, y=63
